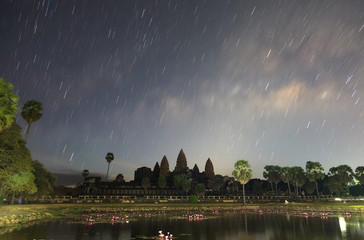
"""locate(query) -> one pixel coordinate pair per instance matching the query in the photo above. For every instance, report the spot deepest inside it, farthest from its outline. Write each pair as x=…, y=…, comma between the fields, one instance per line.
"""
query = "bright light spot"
x=342, y=225
x=338, y=199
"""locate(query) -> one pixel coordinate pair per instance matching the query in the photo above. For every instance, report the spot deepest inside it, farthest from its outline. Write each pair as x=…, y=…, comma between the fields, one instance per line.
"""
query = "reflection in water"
x=226, y=225
x=342, y=225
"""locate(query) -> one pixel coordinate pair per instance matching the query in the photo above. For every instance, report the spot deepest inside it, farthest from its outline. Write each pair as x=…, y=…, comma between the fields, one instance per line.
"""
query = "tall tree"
x=31, y=113
x=273, y=174
x=242, y=173
x=85, y=174
x=109, y=157
x=314, y=172
x=342, y=173
x=286, y=175
x=16, y=165
x=298, y=175
x=44, y=180
x=8, y=105
x=359, y=174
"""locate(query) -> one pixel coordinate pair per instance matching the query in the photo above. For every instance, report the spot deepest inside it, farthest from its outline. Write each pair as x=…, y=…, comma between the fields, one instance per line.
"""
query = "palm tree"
x=314, y=172
x=243, y=174
x=109, y=157
x=31, y=113
x=85, y=174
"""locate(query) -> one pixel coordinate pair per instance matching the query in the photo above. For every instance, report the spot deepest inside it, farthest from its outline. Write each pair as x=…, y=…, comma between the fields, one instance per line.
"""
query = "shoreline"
x=15, y=216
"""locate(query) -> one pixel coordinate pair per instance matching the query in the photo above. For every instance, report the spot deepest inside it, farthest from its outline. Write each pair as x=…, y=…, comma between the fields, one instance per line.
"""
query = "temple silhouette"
x=94, y=185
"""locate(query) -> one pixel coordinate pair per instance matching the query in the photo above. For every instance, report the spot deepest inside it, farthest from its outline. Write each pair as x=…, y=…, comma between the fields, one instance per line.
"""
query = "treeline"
x=20, y=176
x=338, y=181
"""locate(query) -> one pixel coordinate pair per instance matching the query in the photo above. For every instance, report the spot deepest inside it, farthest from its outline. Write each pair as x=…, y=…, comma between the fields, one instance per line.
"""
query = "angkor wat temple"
x=94, y=185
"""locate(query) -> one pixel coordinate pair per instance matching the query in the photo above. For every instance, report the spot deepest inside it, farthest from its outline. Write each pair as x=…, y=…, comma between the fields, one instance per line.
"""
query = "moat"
x=193, y=225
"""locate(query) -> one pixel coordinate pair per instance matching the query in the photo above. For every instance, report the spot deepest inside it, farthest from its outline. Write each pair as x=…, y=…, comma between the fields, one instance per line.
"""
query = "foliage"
x=287, y=176
x=8, y=105
x=85, y=173
x=193, y=199
x=335, y=185
x=200, y=189
x=299, y=178
x=44, y=180
x=109, y=157
x=359, y=174
x=145, y=183
x=309, y=187
x=340, y=177
x=242, y=173
x=23, y=182
x=216, y=182
x=314, y=172
x=186, y=186
x=162, y=181
x=357, y=190
x=120, y=178
x=16, y=165
x=178, y=180
x=181, y=181
x=273, y=174
x=31, y=113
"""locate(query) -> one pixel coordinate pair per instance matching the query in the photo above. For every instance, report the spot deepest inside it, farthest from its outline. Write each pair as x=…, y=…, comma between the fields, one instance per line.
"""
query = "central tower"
x=181, y=166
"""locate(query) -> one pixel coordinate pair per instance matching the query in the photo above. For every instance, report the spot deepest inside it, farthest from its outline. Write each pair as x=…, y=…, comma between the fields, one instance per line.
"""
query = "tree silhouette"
x=343, y=174
x=314, y=172
x=120, y=178
x=109, y=157
x=31, y=113
x=273, y=174
x=85, y=174
x=286, y=176
x=243, y=174
x=359, y=174
x=298, y=177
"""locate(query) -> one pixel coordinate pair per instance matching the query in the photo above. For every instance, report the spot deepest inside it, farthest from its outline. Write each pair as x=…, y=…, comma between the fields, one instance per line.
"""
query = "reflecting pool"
x=224, y=225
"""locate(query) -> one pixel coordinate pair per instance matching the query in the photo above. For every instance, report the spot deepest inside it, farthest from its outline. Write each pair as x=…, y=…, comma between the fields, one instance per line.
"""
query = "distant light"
x=338, y=199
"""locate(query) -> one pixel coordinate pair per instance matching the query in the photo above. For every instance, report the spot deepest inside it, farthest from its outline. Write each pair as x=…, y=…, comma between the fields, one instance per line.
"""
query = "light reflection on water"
x=225, y=226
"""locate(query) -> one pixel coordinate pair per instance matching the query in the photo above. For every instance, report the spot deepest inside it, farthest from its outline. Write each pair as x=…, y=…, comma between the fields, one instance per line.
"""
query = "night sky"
x=271, y=82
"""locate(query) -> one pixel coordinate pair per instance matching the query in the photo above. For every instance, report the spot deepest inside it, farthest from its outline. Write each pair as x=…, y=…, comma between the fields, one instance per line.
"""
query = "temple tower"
x=181, y=166
x=164, y=169
x=209, y=169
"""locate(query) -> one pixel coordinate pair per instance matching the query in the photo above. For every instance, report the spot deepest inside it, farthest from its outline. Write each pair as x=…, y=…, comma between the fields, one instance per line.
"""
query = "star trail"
x=271, y=82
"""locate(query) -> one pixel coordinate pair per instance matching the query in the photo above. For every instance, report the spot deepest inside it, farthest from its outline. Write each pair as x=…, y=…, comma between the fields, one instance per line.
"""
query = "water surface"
x=219, y=227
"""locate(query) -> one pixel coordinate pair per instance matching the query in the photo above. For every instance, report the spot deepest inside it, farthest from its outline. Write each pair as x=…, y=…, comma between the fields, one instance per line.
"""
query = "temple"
x=94, y=184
